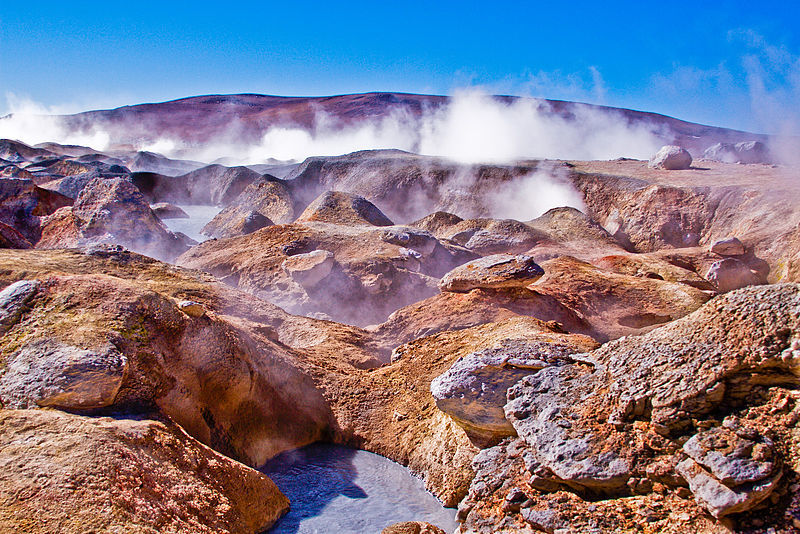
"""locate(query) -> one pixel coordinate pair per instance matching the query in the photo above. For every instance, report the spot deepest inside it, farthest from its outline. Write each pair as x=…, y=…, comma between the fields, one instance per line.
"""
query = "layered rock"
x=473, y=390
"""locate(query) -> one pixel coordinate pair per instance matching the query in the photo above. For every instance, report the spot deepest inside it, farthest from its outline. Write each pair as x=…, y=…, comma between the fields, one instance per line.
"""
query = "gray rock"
x=499, y=271
x=545, y=520
x=671, y=158
x=49, y=373
x=540, y=408
x=728, y=247
x=729, y=274
x=732, y=459
x=473, y=390
x=13, y=300
x=418, y=240
x=719, y=499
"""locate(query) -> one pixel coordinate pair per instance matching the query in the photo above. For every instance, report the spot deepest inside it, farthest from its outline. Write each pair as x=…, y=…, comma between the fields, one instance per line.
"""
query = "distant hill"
x=200, y=119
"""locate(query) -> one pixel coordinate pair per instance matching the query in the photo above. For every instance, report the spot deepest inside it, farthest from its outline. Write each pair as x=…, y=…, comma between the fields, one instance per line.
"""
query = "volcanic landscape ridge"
x=592, y=329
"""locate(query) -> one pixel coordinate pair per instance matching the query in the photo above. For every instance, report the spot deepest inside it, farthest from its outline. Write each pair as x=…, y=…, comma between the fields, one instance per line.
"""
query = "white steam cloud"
x=472, y=128
x=33, y=123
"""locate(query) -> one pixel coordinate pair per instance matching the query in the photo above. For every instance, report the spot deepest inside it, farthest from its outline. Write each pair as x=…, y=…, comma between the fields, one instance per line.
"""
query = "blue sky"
x=732, y=63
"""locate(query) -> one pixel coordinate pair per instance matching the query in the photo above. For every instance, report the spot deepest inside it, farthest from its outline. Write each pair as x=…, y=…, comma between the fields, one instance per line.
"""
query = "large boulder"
x=124, y=474
x=730, y=246
x=499, y=271
x=731, y=273
x=671, y=158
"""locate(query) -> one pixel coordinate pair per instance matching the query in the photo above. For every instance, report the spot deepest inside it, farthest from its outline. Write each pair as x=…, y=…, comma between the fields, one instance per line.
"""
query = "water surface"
x=199, y=216
x=335, y=489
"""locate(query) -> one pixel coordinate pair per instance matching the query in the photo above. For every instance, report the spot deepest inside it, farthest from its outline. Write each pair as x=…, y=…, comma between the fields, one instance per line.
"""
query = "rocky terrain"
x=629, y=362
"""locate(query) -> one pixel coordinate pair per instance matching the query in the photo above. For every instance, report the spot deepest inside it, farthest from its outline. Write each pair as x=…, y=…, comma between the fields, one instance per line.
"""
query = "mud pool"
x=342, y=490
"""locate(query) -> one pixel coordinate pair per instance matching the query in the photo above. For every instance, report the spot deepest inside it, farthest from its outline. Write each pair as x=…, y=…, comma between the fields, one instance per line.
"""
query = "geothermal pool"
x=341, y=490
x=199, y=216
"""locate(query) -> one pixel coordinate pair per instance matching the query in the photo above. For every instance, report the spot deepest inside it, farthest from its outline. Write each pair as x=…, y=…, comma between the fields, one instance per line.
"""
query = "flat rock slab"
x=473, y=390
x=499, y=271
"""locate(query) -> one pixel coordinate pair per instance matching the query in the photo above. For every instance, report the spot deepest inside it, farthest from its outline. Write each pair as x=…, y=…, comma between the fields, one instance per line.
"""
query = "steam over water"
x=336, y=489
x=199, y=216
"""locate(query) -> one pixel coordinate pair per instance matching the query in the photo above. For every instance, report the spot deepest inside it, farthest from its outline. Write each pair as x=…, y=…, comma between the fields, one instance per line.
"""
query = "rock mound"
x=499, y=271
x=343, y=208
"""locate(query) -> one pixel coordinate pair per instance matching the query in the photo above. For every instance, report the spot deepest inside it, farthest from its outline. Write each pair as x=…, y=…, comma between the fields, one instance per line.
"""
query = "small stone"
x=728, y=247
x=192, y=308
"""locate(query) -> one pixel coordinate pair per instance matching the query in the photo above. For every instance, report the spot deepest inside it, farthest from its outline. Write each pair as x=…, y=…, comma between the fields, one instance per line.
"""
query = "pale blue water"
x=337, y=490
x=199, y=216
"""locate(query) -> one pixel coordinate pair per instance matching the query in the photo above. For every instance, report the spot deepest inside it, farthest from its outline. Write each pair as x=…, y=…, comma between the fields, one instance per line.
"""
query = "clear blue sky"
x=700, y=61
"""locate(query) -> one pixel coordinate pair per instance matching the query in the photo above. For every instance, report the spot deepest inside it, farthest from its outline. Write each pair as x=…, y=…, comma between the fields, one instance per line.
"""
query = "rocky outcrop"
x=730, y=469
x=742, y=152
x=111, y=211
x=356, y=273
x=671, y=158
x=640, y=414
x=500, y=271
x=123, y=474
x=90, y=342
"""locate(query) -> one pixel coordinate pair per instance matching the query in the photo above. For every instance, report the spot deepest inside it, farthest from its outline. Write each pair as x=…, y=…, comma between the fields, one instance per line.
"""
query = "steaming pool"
x=199, y=216
x=342, y=490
